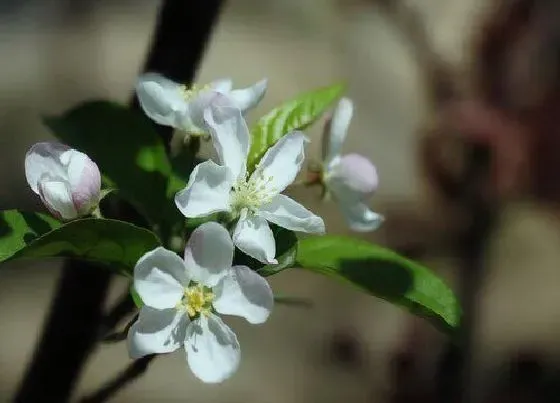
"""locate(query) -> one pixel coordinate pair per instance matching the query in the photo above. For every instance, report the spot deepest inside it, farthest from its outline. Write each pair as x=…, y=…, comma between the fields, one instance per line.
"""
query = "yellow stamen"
x=251, y=193
x=196, y=300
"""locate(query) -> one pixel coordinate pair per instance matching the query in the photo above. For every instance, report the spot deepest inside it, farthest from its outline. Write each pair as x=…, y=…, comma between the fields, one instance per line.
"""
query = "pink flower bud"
x=356, y=173
x=67, y=181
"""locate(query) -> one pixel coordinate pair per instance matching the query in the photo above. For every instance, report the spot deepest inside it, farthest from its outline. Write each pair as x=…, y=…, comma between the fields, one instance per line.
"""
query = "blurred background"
x=455, y=102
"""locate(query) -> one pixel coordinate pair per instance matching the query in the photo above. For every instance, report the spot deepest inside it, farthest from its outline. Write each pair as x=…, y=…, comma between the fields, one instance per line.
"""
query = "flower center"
x=251, y=193
x=196, y=300
x=190, y=93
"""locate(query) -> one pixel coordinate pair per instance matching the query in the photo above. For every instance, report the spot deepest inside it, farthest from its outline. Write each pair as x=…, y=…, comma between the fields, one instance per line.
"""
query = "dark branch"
x=69, y=334
x=124, y=307
x=131, y=373
x=71, y=330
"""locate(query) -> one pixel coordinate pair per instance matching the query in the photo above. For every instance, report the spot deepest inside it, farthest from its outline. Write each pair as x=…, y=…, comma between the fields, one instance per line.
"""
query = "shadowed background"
x=348, y=346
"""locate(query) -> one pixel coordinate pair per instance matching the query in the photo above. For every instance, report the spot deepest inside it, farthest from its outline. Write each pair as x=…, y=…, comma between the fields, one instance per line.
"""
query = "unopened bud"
x=67, y=181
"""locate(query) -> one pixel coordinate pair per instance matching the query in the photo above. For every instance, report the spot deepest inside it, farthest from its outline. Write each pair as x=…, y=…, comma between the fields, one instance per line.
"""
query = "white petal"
x=197, y=105
x=161, y=99
x=57, y=197
x=44, y=158
x=359, y=217
x=157, y=331
x=207, y=192
x=230, y=136
x=281, y=163
x=248, y=98
x=244, y=293
x=160, y=278
x=209, y=253
x=335, y=130
x=85, y=181
x=291, y=215
x=222, y=85
x=253, y=236
x=213, y=352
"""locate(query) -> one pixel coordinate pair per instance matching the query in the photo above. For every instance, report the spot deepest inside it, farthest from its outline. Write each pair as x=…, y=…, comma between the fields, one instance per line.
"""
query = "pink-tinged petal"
x=44, y=159
x=85, y=182
x=354, y=173
x=335, y=130
x=56, y=196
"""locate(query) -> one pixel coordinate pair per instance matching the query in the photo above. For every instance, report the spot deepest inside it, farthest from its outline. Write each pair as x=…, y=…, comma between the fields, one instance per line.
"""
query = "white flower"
x=67, y=181
x=172, y=104
x=182, y=298
x=251, y=199
x=350, y=178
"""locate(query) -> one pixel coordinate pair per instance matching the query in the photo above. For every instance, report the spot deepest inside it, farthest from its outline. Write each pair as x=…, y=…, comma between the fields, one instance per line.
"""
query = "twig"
x=125, y=306
x=120, y=335
x=130, y=374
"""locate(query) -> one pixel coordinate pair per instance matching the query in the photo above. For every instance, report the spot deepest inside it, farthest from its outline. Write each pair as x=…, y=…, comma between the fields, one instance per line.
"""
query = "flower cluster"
x=183, y=297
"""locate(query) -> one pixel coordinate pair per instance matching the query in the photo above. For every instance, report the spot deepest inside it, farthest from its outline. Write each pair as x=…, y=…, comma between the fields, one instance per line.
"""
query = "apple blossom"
x=172, y=104
x=350, y=178
x=67, y=181
x=254, y=199
x=183, y=296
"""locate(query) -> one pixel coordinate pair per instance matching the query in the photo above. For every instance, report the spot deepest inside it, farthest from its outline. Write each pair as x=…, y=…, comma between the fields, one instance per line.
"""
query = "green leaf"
x=135, y=297
x=296, y=114
x=383, y=273
x=117, y=243
x=19, y=228
x=286, y=247
x=129, y=153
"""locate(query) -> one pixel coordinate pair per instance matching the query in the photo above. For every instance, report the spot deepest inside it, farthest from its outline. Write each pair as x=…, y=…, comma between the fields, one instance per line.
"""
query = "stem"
x=131, y=373
x=71, y=330
x=121, y=309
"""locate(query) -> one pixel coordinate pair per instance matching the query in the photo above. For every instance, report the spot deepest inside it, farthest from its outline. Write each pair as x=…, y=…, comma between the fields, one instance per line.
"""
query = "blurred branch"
x=130, y=374
x=71, y=330
x=457, y=363
x=124, y=307
x=468, y=191
x=439, y=78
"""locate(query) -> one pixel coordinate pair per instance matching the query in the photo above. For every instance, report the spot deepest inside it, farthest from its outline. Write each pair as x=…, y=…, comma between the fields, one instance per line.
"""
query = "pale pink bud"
x=356, y=173
x=67, y=181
